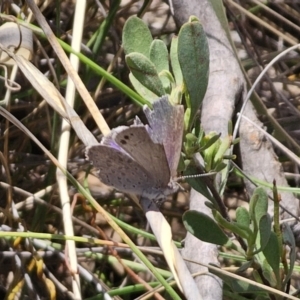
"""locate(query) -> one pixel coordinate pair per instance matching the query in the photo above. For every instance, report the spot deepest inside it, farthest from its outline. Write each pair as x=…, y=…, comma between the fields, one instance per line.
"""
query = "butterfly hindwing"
x=119, y=170
x=135, y=140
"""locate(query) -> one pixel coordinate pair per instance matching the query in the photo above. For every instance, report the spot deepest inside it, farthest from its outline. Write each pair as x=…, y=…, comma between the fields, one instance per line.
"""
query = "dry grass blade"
x=70, y=70
x=53, y=97
x=284, y=37
x=163, y=233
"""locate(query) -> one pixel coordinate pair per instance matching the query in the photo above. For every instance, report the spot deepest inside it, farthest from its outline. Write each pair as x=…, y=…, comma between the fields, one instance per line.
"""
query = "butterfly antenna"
x=195, y=176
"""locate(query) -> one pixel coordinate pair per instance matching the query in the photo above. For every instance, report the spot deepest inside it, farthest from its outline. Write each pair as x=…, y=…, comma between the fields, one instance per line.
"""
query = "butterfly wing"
x=119, y=169
x=166, y=127
x=141, y=159
x=135, y=140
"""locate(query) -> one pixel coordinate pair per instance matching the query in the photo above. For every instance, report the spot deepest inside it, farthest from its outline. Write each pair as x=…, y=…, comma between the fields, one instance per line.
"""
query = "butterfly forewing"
x=135, y=140
x=166, y=123
x=119, y=170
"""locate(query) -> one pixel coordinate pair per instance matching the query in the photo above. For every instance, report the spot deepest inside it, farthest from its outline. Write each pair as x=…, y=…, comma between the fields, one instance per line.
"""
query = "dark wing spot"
x=124, y=140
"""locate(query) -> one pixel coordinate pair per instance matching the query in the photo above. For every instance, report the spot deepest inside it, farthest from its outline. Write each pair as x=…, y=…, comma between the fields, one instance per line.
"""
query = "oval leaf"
x=193, y=55
x=272, y=253
x=160, y=57
x=268, y=273
x=258, y=205
x=198, y=184
x=145, y=72
x=242, y=216
x=141, y=89
x=136, y=37
x=242, y=231
x=289, y=239
x=204, y=228
x=265, y=231
x=175, y=62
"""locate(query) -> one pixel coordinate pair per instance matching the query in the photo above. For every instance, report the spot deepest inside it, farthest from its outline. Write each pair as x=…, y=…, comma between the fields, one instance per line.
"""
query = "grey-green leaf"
x=264, y=230
x=204, y=228
x=160, y=57
x=145, y=72
x=258, y=205
x=175, y=62
x=272, y=253
x=234, y=227
x=239, y=287
x=141, y=89
x=244, y=266
x=242, y=216
x=260, y=208
x=193, y=55
x=136, y=37
x=268, y=273
x=289, y=239
x=198, y=184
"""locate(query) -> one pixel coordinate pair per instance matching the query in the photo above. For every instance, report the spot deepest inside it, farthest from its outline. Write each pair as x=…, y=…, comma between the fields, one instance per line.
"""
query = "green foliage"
x=241, y=287
x=203, y=227
x=211, y=147
x=289, y=239
x=264, y=231
x=187, y=78
x=136, y=37
x=148, y=61
x=263, y=249
x=258, y=206
x=159, y=56
x=145, y=72
x=242, y=216
x=272, y=253
x=175, y=62
x=182, y=73
x=193, y=54
x=198, y=185
x=238, y=229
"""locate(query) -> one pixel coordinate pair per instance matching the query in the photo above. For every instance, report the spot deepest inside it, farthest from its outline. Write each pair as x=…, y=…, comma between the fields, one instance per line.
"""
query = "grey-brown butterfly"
x=143, y=159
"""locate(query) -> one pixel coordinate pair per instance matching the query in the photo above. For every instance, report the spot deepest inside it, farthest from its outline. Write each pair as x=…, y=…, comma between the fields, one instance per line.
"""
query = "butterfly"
x=143, y=159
